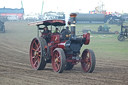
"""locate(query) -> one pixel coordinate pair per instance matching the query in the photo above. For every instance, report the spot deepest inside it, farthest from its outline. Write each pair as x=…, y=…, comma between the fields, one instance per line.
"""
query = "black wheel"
x=69, y=66
x=88, y=61
x=58, y=60
x=2, y=29
x=38, y=54
x=121, y=38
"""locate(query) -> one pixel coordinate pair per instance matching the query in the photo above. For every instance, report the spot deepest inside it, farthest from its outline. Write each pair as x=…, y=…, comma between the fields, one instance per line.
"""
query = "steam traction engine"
x=62, y=52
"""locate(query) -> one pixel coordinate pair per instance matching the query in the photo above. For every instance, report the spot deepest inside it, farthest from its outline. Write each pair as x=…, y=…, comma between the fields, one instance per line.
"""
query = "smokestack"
x=73, y=23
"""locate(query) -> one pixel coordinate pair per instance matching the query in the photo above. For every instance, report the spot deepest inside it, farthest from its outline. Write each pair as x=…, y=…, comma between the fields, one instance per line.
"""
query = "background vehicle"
x=61, y=49
x=2, y=27
x=124, y=32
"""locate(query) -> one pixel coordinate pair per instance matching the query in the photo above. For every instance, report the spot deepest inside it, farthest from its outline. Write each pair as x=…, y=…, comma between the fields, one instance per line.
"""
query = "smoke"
x=67, y=17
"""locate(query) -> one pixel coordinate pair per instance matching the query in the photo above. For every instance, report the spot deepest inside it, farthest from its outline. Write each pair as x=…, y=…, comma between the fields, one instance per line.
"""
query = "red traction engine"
x=63, y=53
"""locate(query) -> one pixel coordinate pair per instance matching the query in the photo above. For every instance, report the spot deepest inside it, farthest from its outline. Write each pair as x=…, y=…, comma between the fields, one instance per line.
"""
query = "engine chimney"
x=73, y=23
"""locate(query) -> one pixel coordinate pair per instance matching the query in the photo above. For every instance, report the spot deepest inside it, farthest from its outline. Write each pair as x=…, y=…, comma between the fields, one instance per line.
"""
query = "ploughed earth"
x=15, y=68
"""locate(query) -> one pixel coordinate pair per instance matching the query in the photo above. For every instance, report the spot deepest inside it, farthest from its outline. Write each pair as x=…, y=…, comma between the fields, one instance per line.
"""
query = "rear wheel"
x=88, y=61
x=38, y=54
x=58, y=60
x=121, y=38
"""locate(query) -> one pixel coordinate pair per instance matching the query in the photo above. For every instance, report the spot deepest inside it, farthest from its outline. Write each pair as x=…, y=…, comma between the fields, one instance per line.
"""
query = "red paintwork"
x=62, y=45
x=87, y=37
x=55, y=43
x=55, y=38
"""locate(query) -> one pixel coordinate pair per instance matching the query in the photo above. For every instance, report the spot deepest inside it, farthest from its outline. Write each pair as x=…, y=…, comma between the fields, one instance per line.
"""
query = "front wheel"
x=88, y=61
x=58, y=60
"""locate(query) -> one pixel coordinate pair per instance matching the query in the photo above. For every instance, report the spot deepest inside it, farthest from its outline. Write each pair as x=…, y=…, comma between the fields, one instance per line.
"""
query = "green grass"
x=107, y=46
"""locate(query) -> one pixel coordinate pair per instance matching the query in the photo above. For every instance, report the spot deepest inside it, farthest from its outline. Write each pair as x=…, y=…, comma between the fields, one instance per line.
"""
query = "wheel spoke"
x=36, y=63
x=33, y=49
x=57, y=66
x=87, y=60
x=38, y=58
x=59, y=60
x=38, y=49
x=87, y=66
x=36, y=45
x=39, y=55
x=33, y=57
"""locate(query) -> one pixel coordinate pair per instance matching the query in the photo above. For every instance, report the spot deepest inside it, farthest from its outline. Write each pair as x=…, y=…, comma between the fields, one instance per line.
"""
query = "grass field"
x=106, y=45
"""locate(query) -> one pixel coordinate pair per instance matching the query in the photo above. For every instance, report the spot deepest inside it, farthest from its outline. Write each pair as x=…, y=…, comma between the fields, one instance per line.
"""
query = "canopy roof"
x=49, y=22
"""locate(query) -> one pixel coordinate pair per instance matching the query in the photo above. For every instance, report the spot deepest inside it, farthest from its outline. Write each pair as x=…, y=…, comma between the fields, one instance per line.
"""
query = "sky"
x=84, y=6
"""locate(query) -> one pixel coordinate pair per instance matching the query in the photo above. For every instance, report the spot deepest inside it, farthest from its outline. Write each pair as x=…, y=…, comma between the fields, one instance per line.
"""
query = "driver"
x=46, y=30
x=46, y=34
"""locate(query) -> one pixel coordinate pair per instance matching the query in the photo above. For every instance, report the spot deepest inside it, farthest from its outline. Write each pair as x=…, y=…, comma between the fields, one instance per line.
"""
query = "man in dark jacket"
x=46, y=30
x=46, y=34
x=65, y=33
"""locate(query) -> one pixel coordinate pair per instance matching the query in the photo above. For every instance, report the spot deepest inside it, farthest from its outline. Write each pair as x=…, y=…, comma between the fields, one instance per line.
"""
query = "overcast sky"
x=34, y=6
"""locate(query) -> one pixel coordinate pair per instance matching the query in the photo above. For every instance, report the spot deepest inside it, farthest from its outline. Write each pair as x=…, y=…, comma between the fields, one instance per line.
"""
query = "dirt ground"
x=15, y=68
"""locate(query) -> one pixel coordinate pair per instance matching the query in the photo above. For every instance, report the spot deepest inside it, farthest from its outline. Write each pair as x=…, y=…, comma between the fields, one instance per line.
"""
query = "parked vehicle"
x=124, y=33
x=2, y=27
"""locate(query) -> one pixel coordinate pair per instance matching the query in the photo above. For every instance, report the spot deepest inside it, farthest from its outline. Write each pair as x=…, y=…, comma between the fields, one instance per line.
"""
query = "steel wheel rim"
x=56, y=60
x=121, y=38
x=35, y=53
x=86, y=61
